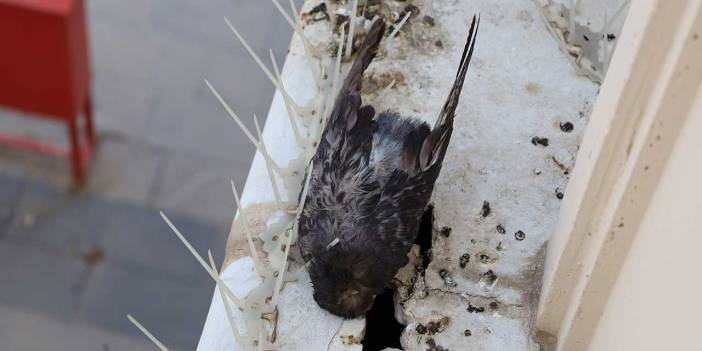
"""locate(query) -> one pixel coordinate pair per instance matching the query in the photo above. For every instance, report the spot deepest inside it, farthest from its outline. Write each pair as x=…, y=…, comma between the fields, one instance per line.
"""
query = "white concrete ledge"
x=520, y=86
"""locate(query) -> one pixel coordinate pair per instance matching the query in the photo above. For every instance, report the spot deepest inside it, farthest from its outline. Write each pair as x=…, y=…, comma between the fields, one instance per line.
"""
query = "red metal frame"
x=44, y=70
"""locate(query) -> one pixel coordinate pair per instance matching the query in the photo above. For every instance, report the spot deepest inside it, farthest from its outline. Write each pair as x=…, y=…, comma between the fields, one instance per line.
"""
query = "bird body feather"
x=371, y=181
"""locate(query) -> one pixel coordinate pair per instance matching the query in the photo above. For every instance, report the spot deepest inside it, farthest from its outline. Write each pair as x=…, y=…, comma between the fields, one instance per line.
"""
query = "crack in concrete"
x=336, y=332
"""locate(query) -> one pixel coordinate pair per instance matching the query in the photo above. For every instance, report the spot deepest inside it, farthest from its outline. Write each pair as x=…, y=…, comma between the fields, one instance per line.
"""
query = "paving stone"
x=200, y=187
x=247, y=16
x=139, y=239
x=124, y=170
x=122, y=103
x=174, y=310
x=254, y=97
x=25, y=124
x=190, y=21
x=28, y=165
x=23, y=330
x=58, y=221
x=39, y=280
x=11, y=188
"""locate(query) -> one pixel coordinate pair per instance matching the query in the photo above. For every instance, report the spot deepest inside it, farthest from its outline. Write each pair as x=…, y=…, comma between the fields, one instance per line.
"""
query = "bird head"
x=345, y=283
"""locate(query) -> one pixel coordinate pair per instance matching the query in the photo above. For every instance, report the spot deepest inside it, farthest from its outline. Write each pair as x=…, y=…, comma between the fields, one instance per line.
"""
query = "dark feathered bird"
x=372, y=178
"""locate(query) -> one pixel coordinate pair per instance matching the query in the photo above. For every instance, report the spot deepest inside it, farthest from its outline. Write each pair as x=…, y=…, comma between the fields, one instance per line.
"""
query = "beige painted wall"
x=656, y=302
x=625, y=197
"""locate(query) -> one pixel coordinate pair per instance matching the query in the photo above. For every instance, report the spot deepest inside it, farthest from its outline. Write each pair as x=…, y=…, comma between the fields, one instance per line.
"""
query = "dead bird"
x=372, y=178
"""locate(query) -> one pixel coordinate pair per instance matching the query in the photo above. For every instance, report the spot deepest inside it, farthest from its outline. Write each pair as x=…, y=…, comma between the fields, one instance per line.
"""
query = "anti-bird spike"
x=370, y=184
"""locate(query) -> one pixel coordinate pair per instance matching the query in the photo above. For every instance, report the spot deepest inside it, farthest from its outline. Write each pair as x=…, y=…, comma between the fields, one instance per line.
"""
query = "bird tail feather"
x=434, y=146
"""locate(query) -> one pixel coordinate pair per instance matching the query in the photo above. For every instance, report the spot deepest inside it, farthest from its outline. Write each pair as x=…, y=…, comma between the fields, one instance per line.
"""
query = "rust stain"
x=93, y=257
x=379, y=80
x=351, y=339
x=533, y=88
x=237, y=245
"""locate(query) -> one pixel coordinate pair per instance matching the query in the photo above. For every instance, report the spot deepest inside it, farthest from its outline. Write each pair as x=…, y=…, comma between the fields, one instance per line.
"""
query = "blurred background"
x=75, y=260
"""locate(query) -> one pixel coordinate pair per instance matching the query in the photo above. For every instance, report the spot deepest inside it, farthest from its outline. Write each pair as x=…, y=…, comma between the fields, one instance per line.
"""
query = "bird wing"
x=434, y=147
x=349, y=125
x=408, y=190
x=340, y=175
x=400, y=207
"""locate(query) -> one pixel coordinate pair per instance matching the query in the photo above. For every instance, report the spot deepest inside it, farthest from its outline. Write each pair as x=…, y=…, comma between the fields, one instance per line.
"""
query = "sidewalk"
x=73, y=264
